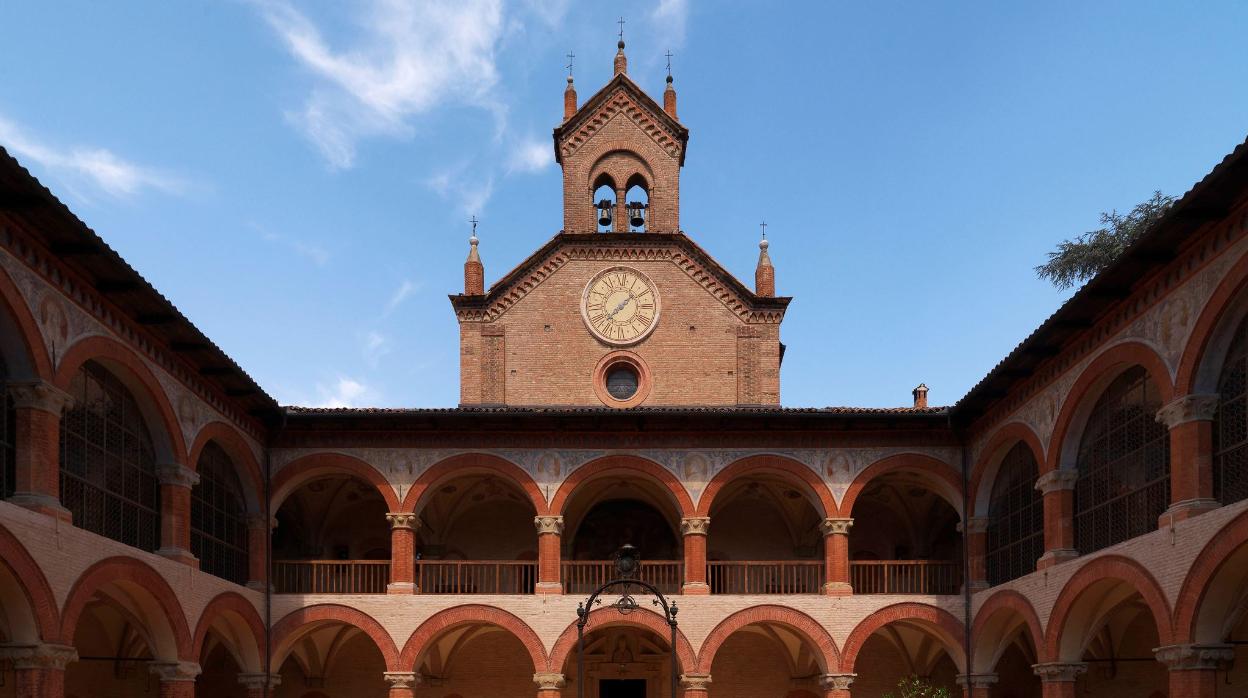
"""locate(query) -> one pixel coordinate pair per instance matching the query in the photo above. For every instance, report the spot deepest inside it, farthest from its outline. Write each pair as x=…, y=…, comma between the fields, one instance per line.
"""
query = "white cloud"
x=376, y=345
x=669, y=18
x=313, y=252
x=98, y=168
x=345, y=392
x=529, y=156
x=402, y=293
x=551, y=12
x=469, y=194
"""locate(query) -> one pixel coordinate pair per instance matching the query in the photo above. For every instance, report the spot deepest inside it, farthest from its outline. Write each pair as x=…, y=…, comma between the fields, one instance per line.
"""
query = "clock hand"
x=619, y=307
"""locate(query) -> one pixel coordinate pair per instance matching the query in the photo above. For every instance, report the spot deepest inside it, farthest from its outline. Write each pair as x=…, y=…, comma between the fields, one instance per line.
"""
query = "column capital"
x=1188, y=408
x=1195, y=657
x=177, y=475
x=1057, y=480
x=403, y=519
x=38, y=656
x=40, y=395
x=696, y=682
x=695, y=526
x=976, y=524
x=402, y=679
x=257, y=521
x=552, y=525
x=836, y=526
x=549, y=681
x=836, y=682
x=175, y=672
x=259, y=681
x=1059, y=672
x=976, y=680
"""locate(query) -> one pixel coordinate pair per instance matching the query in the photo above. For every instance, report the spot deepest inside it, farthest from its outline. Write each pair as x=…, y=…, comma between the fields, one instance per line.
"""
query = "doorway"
x=622, y=688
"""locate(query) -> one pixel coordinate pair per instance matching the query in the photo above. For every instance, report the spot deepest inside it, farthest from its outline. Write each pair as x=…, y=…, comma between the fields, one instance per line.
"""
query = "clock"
x=620, y=306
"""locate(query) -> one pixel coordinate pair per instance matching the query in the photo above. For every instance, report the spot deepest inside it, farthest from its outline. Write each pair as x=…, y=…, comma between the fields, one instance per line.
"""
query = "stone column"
x=177, y=679
x=1058, y=488
x=694, y=530
x=695, y=685
x=258, y=537
x=403, y=527
x=38, y=407
x=977, y=685
x=549, y=557
x=549, y=684
x=836, y=685
x=836, y=557
x=1194, y=668
x=38, y=670
x=977, y=551
x=1057, y=679
x=176, y=481
x=1190, y=421
x=620, y=224
x=256, y=683
x=402, y=683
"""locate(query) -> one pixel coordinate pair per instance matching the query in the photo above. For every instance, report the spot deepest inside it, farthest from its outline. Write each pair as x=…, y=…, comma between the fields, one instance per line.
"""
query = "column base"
x=548, y=588
x=1055, y=557
x=179, y=555
x=42, y=503
x=259, y=586
x=401, y=588
x=838, y=589
x=979, y=585
x=1186, y=509
x=695, y=589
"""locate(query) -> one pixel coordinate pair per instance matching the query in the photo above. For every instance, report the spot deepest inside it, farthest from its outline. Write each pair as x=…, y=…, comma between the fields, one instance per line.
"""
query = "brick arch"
x=1009, y=602
x=307, y=468
x=635, y=465
x=940, y=476
x=229, y=439
x=1091, y=383
x=1210, y=337
x=138, y=378
x=1109, y=567
x=442, y=621
x=291, y=626
x=947, y=629
x=792, y=469
x=565, y=645
x=467, y=462
x=984, y=471
x=232, y=603
x=791, y=618
x=1194, y=593
x=133, y=572
x=29, y=336
x=34, y=586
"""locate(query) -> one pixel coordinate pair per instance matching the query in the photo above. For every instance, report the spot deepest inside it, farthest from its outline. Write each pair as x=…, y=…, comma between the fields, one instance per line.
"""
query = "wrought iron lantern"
x=604, y=213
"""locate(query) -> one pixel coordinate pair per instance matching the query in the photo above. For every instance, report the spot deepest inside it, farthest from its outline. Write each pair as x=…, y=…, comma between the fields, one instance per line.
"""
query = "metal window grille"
x=108, y=465
x=8, y=433
x=1230, y=427
x=1015, y=536
x=1124, y=465
x=218, y=517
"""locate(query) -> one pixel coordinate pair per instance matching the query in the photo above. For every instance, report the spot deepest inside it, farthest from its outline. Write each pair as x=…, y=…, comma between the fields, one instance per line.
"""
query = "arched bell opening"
x=905, y=538
x=604, y=201
x=332, y=537
x=637, y=203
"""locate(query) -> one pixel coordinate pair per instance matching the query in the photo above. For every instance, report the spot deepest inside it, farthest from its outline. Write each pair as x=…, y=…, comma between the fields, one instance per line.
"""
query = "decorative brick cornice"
x=402, y=679
x=40, y=395
x=1059, y=672
x=1057, y=480
x=1195, y=657
x=175, y=672
x=403, y=519
x=976, y=680
x=1189, y=408
x=695, y=682
x=177, y=475
x=836, y=527
x=259, y=681
x=836, y=682
x=695, y=526
x=548, y=525
x=549, y=681
x=621, y=102
x=38, y=656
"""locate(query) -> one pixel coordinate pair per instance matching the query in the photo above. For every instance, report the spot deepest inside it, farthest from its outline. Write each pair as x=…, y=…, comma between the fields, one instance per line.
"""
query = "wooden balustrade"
x=331, y=576
x=766, y=577
x=475, y=577
x=583, y=576
x=905, y=576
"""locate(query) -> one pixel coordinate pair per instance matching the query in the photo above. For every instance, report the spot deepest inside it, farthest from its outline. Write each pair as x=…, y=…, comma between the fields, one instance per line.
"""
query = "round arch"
x=627, y=465
x=644, y=619
x=805, y=626
x=310, y=467
x=37, y=620
x=467, y=464
x=229, y=439
x=1206, y=602
x=445, y=620
x=244, y=622
x=1067, y=631
x=1206, y=348
x=293, y=625
x=984, y=471
x=938, y=475
x=172, y=641
x=994, y=623
x=791, y=470
x=35, y=362
x=947, y=629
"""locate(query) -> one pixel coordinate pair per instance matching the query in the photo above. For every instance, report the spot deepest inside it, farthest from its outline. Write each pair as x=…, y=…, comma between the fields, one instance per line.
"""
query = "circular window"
x=622, y=381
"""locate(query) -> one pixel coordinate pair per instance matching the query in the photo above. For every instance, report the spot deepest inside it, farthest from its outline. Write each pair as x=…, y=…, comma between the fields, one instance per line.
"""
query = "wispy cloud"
x=669, y=18
x=97, y=168
x=530, y=155
x=309, y=250
x=470, y=194
x=344, y=392
x=376, y=345
x=551, y=12
x=402, y=293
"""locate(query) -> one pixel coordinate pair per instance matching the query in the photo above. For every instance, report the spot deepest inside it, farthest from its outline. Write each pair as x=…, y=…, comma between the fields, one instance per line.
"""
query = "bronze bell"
x=637, y=214
x=604, y=213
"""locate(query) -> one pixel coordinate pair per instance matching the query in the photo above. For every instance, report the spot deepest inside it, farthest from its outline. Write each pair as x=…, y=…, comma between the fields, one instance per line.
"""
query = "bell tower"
x=621, y=154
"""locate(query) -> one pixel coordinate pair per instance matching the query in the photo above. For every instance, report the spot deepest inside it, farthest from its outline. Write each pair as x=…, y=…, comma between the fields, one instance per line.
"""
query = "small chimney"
x=569, y=100
x=764, y=273
x=920, y=397
x=621, y=61
x=669, y=98
x=474, y=270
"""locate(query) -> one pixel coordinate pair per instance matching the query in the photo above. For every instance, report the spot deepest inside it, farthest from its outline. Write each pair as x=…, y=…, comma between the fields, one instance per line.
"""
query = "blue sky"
x=297, y=178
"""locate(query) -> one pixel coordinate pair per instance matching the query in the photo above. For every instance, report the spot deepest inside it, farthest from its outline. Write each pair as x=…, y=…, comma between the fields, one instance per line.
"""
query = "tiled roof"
x=557, y=410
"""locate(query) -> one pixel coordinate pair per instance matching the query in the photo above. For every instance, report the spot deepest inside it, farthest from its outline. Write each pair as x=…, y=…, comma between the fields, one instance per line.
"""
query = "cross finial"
x=669, y=62
x=570, y=57
x=474, y=223
x=621, y=23
x=764, y=226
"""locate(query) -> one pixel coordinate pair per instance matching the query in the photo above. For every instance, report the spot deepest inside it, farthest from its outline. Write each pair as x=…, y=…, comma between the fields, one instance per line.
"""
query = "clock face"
x=620, y=305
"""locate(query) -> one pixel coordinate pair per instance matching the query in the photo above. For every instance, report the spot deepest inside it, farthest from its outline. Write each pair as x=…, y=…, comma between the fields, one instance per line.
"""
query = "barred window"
x=108, y=464
x=8, y=433
x=218, y=517
x=1124, y=465
x=1015, y=518
x=1230, y=427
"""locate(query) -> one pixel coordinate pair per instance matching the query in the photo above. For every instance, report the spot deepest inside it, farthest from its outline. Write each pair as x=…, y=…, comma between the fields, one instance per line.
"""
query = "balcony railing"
x=331, y=576
x=475, y=577
x=905, y=576
x=770, y=577
x=583, y=576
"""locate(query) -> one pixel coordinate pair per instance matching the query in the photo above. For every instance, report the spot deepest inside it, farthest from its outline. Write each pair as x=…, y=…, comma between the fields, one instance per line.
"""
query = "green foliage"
x=1078, y=260
x=914, y=687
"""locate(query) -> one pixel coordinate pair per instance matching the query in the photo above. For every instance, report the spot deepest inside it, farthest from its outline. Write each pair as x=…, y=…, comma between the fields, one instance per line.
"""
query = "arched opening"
x=1015, y=677
x=108, y=461
x=476, y=536
x=1015, y=535
x=1111, y=628
x=8, y=434
x=219, y=669
x=604, y=203
x=219, y=517
x=1217, y=591
x=764, y=538
x=622, y=661
x=903, y=650
x=1230, y=426
x=1123, y=461
x=905, y=538
x=766, y=659
x=476, y=659
x=1006, y=636
x=332, y=537
x=331, y=659
x=637, y=198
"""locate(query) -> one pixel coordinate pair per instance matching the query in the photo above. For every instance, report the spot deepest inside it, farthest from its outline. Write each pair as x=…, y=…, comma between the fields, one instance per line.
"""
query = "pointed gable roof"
x=655, y=121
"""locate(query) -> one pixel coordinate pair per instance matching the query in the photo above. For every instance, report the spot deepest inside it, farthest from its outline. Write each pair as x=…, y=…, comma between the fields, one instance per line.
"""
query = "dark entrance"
x=622, y=688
